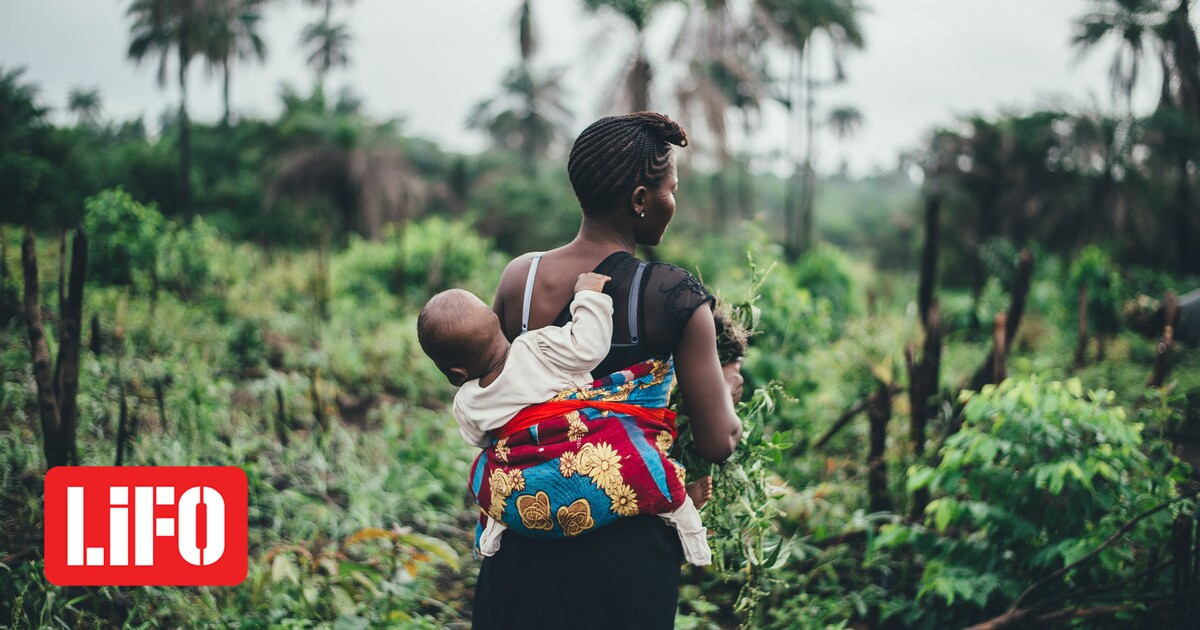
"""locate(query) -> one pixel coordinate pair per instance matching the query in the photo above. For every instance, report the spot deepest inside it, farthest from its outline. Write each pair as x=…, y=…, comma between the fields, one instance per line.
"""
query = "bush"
x=825, y=271
x=124, y=238
x=417, y=261
x=185, y=263
x=1040, y=475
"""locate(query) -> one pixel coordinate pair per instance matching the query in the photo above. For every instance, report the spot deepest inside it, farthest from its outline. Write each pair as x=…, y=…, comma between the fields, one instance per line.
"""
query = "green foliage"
x=124, y=238
x=825, y=271
x=1040, y=474
x=1093, y=269
x=415, y=262
x=189, y=259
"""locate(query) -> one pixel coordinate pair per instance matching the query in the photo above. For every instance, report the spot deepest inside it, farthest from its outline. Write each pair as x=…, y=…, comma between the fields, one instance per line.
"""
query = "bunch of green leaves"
x=1039, y=476
x=124, y=238
x=747, y=547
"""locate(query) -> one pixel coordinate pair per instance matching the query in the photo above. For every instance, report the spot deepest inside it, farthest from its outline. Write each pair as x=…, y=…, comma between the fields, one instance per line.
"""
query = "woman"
x=624, y=575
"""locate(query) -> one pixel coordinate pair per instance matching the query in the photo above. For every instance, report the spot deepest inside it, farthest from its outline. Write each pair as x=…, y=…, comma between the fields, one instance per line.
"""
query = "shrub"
x=124, y=238
x=1040, y=475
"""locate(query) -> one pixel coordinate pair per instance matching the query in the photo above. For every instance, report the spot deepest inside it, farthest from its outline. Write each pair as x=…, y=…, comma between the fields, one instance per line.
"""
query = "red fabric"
x=535, y=414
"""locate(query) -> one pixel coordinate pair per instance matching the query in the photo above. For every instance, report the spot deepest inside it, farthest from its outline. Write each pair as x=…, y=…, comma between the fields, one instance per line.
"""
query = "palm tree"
x=85, y=104
x=726, y=72
x=341, y=160
x=530, y=112
x=638, y=73
x=794, y=24
x=234, y=34
x=845, y=121
x=1134, y=24
x=162, y=28
x=329, y=42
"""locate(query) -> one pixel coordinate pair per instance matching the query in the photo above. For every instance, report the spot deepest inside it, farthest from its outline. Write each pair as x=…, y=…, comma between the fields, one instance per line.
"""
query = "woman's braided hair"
x=615, y=154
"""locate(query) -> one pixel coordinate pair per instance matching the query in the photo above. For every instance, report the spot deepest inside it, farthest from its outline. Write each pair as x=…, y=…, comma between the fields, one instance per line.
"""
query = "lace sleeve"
x=672, y=295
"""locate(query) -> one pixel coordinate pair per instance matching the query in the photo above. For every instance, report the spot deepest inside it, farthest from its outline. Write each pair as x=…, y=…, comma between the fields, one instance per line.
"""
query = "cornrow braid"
x=618, y=153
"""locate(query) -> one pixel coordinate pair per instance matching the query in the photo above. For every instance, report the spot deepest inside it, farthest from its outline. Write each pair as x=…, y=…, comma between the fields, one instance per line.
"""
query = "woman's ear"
x=637, y=199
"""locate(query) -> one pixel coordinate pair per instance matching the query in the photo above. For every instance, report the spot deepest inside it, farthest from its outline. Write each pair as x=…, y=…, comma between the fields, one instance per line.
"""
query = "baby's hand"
x=591, y=282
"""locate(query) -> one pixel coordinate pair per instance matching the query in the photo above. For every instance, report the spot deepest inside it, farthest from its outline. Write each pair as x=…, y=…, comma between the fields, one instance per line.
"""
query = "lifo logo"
x=146, y=526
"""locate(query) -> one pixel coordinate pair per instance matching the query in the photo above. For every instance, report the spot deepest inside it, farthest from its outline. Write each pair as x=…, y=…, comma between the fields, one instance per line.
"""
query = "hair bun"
x=662, y=128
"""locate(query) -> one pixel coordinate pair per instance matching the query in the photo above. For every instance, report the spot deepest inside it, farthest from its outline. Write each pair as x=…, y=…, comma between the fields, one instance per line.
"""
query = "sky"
x=428, y=63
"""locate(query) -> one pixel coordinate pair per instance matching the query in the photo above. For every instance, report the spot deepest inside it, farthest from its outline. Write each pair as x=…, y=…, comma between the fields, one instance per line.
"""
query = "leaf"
x=282, y=568
x=434, y=546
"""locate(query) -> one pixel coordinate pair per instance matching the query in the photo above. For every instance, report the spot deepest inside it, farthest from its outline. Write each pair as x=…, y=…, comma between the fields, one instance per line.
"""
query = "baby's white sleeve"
x=470, y=430
x=582, y=344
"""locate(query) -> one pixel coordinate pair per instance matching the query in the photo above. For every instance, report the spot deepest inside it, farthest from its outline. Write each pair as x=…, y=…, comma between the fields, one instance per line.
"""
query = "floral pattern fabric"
x=583, y=469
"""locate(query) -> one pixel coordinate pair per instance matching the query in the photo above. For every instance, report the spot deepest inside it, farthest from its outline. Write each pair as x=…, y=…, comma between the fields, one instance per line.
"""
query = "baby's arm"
x=583, y=343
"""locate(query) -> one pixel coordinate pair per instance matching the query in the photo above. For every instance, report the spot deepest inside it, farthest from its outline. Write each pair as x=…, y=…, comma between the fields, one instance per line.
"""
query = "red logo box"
x=146, y=525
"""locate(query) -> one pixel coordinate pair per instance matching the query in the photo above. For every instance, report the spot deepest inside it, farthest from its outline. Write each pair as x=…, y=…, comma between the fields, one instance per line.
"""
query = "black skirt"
x=624, y=575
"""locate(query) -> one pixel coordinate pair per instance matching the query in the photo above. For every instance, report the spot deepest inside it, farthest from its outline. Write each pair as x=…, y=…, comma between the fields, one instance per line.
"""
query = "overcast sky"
x=926, y=62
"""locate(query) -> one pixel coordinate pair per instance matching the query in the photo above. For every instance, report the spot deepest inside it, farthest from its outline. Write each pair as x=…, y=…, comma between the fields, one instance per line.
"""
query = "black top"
x=668, y=296
x=624, y=575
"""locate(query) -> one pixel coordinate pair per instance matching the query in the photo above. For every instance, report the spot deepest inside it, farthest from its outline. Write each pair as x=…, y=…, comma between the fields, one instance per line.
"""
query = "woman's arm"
x=706, y=392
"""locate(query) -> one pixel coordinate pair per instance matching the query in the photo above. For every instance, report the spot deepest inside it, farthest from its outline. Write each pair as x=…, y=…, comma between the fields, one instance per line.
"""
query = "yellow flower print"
x=535, y=511
x=568, y=464
x=680, y=472
x=576, y=429
x=502, y=450
x=575, y=518
x=624, y=500
x=602, y=463
x=503, y=483
x=663, y=442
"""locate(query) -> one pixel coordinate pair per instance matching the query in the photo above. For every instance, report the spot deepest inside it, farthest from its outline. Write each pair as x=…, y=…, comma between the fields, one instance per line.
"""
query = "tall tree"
x=162, y=28
x=530, y=111
x=636, y=77
x=794, y=24
x=233, y=34
x=328, y=40
x=1133, y=24
x=726, y=73
x=85, y=104
x=329, y=46
x=845, y=121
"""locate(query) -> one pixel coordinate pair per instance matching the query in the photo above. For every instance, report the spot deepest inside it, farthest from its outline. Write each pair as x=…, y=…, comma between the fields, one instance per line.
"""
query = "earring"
x=642, y=215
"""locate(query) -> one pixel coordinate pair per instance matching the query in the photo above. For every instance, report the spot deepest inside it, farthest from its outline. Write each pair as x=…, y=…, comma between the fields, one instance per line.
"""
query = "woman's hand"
x=733, y=379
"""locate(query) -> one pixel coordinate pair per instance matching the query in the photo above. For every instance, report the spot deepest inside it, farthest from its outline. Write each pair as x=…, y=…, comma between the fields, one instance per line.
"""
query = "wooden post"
x=97, y=340
x=879, y=411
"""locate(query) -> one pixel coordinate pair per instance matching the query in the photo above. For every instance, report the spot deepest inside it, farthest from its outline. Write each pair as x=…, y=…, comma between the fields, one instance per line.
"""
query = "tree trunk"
x=225, y=117
x=639, y=80
x=185, y=136
x=810, y=173
x=66, y=376
x=879, y=412
x=56, y=454
x=924, y=385
x=1166, y=343
x=929, y=256
x=1081, y=347
x=999, y=349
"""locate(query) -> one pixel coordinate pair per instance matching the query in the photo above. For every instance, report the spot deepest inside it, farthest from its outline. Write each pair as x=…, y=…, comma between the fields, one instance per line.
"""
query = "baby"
x=498, y=379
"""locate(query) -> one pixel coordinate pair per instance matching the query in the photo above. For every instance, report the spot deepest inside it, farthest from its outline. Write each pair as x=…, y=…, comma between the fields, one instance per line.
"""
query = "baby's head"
x=461, y=334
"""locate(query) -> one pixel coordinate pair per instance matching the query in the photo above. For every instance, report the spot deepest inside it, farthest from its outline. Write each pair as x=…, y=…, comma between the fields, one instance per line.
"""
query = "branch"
x=848, y=415
x=1111, y=539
